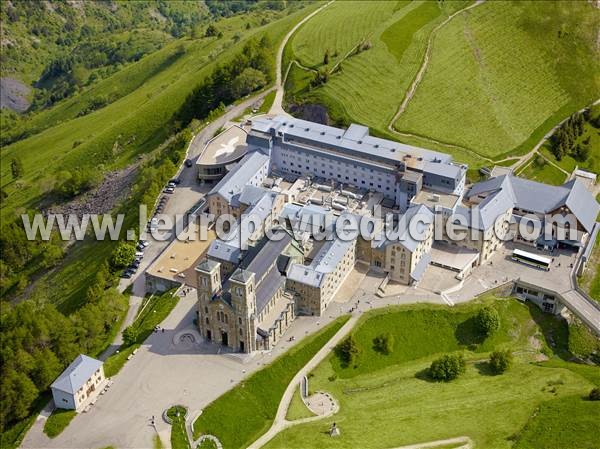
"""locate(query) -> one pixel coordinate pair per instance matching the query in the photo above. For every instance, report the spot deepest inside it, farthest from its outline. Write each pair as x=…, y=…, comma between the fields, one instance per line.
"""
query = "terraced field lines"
x=476, y=77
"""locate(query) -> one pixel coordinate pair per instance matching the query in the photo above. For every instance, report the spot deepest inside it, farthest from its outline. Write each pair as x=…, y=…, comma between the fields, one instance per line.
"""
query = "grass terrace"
x=58, y=421
x=153, y=312
x=389, y=400
x=242, y=414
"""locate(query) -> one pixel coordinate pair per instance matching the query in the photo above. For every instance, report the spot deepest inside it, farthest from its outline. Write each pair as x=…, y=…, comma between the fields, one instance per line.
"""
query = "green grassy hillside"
x=388, y=401
x=499, y=75
x=504, y=70
x=146, y=96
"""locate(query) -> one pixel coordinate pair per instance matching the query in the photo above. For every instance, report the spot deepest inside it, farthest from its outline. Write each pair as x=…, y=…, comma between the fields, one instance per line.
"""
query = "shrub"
x=447, y=367
x=594, y=394
x=488, y=321
x=384, y=343
x=500, y=361
x=347, y=350
x=71, y=184
x=122, y=255
x=130, y=335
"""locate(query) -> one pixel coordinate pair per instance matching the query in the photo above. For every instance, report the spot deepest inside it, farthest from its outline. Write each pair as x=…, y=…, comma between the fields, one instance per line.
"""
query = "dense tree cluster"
x=16, y=167
x=70, y=184
x=248, y=71
x=20, y=256
x=564, y=140
x=89, y=60
x=38, y=342
x=447, y=367
x=225, y=9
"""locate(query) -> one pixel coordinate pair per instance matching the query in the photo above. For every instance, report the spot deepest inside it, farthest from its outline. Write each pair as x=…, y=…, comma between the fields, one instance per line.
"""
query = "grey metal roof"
x=241, y=275
x=353, y=140
x=304, y=217
x=420, y=268
x=490, y=185
x=356, y=132
x=412, y=176
x=541, y=198
x=267, y=288
x=222, y=250
x=260, y=261
x=76, y=374
x=237, y=178
x=259, y=211
x=445, y=170
x=325, y=261
x=250, y=195
x=403, y=228
x=491, y=208
x=582, y=203
x=207, y=265
x=484, y=215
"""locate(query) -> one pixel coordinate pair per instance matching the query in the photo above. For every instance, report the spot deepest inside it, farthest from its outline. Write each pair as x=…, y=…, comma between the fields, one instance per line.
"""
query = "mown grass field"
x=242, y=414
x=387, y=401
x=543, y=172
x=499, y=77
x=297, y=409
x=338, y=29
x=179, y=439
x=501, y=70
x=371, y=84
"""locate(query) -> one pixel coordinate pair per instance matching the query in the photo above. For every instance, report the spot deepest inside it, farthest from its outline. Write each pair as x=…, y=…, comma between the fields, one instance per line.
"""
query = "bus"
x=533, y=260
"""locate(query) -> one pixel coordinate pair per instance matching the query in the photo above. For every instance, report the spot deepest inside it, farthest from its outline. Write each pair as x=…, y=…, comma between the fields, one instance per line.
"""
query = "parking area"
x=501, y=269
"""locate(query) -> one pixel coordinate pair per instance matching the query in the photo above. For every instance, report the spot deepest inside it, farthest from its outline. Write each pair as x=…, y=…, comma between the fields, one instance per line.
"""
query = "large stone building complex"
x=298, y=178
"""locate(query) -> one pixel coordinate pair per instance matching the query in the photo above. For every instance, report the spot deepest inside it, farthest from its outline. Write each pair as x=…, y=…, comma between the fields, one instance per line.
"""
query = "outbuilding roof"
x=76, y=374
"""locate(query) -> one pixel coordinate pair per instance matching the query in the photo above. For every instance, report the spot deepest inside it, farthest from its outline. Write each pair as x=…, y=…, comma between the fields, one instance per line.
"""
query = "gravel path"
x=276, y=107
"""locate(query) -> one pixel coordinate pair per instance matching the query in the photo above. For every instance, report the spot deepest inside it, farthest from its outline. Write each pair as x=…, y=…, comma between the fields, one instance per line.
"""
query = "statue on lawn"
x=334, y=431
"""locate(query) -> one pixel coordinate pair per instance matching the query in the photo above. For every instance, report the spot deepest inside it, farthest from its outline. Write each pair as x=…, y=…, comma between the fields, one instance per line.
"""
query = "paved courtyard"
x=501, y=269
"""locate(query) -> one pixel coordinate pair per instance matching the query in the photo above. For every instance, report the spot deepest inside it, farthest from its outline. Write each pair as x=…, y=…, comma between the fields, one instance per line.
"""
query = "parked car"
x=171, y=184
x=139, y=254
x=126, y=274
x=188, y=163
x=169, y=190
x=144, y=243
x=135, y=264
x=175, y=181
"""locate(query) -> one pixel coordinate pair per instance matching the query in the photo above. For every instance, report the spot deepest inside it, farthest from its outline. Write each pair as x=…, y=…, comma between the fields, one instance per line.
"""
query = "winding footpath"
x=411, y=91
x=280, y=423
x=277, y=106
